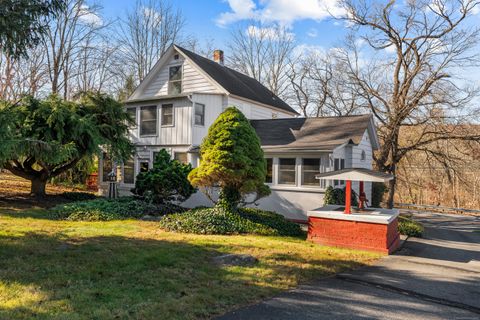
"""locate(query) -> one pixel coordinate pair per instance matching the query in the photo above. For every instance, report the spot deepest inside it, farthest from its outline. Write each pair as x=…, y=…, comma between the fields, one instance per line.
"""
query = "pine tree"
x=44, y=138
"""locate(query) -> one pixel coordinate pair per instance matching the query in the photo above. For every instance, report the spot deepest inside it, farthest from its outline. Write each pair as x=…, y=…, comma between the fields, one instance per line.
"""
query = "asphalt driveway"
x=435, y=277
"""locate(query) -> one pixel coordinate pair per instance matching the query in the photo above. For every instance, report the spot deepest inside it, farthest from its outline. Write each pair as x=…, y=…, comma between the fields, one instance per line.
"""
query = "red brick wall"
x=354, y=234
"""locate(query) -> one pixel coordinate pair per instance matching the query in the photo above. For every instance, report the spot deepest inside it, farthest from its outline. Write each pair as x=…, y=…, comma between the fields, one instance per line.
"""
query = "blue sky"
x=213, y=19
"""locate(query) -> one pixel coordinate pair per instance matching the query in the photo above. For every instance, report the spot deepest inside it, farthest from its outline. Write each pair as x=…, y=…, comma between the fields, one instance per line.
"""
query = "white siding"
x=192, y=80
x=178, y=134
x=357, y=162
x=214, y=104
x=256, y=111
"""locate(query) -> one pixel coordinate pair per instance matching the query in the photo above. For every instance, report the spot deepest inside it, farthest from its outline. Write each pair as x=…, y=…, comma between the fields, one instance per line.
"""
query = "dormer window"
x=175, y=80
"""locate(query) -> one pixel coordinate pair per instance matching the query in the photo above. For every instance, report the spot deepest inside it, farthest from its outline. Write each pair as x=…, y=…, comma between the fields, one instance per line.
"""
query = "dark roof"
x=237, y=83
x=315, y=134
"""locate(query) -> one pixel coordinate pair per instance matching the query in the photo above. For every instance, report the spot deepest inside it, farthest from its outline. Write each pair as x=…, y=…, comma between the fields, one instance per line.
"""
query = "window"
x=143, y=165
x=199, y=114
x=310, y=168
x=107, y=166
x=181, y=157
x=167, y=115
x=129, y=171
x=148, y=120
x=286, y=171
x=338, y=164
x=175, y=80
x=363, y=156
x=132, y=112
x=269, y=176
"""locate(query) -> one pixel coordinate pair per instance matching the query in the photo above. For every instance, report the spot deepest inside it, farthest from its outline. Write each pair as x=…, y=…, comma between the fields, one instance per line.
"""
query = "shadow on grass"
x=108, y=277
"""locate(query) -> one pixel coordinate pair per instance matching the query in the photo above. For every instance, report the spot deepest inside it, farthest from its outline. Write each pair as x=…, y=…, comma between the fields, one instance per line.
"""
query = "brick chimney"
x=218, y=56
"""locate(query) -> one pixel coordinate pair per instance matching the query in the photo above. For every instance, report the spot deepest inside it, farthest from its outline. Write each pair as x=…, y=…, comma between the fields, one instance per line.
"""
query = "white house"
x=184, y=93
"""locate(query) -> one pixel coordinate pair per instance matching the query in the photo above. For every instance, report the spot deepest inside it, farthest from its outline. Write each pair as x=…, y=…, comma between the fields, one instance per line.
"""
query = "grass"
x=132, y=269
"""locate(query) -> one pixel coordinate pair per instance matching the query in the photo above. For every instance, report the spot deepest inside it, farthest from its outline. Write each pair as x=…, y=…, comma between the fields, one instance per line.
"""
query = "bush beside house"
x=337, y=196
x=166, y=182
x=232, y=160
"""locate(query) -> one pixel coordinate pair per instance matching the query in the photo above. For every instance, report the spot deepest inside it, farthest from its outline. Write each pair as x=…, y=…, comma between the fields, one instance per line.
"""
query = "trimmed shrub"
x=165, y=182
x=78, y=196
x=103, y=209
x=409, y=227
x=232, y=159
x=217, y=220
x=378, y=190
x=337, y=196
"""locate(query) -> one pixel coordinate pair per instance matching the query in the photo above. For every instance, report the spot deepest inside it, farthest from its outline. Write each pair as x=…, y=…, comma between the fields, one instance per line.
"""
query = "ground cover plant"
x=103, y=209
x=409, y=227
x=219, y=220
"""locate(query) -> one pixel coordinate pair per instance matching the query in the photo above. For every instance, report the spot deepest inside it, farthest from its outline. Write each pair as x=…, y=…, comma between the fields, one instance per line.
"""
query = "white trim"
x=377, y=215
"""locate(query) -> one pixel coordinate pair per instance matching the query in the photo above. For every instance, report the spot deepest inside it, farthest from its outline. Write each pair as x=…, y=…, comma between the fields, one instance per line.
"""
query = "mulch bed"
x=15, y=193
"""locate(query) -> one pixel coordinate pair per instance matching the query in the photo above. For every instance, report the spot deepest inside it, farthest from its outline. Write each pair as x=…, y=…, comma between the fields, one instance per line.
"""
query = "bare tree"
x=319, y=85
x=66, y=40
x=147, y=32
x=418, y=49
x=263, y=53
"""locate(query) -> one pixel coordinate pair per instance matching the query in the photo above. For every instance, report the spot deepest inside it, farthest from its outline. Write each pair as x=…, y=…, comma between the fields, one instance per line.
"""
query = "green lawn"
x=133, y=270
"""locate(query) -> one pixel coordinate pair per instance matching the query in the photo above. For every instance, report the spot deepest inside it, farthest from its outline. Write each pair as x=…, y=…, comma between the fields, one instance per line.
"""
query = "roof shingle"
x=315, y=134
x=237, y=83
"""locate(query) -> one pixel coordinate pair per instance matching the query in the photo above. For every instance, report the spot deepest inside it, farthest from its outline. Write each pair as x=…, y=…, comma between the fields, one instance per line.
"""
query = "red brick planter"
x=376, y=232
x=354, y=234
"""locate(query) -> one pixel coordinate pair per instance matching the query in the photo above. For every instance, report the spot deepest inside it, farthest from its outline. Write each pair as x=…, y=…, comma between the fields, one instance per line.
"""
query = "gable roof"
x=237, y=83
x=313, y=134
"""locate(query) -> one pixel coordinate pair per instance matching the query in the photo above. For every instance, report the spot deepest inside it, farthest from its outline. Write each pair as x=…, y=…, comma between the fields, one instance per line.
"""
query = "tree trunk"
x=38, y=187
x=391, y=192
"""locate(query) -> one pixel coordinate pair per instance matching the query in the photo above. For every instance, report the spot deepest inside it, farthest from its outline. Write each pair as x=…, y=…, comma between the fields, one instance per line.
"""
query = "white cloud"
x=89, y=17
x=312, y=33
x=284, y=12
x=306, y=49
x=272, y=33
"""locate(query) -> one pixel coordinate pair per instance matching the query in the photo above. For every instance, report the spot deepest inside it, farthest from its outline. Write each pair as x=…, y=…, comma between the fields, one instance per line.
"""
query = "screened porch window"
x=310, y=168
x=286, y=171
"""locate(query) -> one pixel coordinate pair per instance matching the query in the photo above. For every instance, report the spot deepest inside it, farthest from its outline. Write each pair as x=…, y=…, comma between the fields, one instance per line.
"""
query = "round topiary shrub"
x=232, y=160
